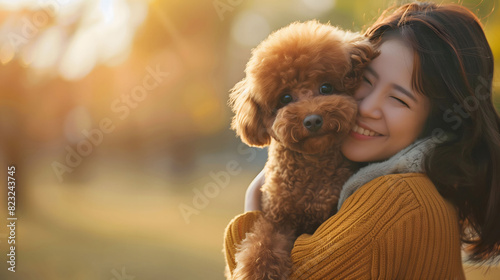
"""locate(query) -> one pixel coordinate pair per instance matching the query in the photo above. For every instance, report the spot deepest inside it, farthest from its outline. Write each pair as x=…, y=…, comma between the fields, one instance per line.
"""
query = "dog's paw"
x=264, y=254
x=267, y=267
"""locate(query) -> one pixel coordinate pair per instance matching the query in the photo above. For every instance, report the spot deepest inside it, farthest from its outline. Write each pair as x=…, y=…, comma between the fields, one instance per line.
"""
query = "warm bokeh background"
x=148, y=195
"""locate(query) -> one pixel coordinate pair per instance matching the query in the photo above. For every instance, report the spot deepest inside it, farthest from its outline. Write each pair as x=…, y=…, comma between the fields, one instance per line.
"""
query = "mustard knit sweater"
x=394, y=227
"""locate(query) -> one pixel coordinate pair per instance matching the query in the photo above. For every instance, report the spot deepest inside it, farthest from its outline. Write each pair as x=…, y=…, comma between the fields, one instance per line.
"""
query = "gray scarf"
x=408, y=160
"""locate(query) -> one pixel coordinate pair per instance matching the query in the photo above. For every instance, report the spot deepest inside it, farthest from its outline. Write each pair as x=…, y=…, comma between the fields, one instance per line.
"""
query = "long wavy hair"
x=453, y=67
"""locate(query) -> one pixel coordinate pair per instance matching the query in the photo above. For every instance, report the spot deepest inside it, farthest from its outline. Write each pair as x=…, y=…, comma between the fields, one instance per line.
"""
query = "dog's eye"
x=285, y=99
x=326, y=88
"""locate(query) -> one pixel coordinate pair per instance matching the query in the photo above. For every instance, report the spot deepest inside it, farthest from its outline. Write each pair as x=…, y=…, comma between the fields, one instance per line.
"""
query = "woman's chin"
x=359, y=153
x=368, y=151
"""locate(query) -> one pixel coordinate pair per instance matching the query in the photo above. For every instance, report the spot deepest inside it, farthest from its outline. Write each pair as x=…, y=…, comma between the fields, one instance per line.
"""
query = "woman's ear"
x=247, y=122
x=362, y=52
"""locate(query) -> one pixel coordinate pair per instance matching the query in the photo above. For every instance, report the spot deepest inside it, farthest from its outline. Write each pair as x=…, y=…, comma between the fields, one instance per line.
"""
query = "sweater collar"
x=408, y=160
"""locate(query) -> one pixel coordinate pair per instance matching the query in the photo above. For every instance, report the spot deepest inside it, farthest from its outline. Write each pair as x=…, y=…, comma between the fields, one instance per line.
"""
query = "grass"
x=96, y=229
x=127, y=225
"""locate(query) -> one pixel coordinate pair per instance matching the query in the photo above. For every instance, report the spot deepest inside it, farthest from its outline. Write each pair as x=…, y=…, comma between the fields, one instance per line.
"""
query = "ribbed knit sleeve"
x=394, y=227
x=235, y=233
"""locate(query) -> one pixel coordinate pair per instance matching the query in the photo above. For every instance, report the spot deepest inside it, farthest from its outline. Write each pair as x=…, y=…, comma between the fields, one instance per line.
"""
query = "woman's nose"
x=370, y=106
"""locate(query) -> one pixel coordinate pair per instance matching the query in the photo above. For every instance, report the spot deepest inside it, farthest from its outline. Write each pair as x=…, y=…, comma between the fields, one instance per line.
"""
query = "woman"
x=426, y=101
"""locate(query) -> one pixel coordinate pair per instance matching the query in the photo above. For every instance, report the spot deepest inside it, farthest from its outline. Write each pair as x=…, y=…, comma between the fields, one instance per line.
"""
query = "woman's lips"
x=363, y=133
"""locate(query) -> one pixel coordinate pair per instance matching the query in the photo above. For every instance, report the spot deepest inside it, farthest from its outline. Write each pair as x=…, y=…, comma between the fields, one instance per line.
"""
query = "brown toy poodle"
x=296, y=99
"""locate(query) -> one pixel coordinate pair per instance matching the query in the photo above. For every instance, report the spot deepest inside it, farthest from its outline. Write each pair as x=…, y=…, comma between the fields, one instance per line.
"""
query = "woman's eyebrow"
x=396, y=86
x=369, y=69
x=405, y=92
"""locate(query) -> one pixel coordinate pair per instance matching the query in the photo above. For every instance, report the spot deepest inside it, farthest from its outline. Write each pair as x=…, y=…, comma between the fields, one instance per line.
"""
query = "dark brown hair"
x=453, y=67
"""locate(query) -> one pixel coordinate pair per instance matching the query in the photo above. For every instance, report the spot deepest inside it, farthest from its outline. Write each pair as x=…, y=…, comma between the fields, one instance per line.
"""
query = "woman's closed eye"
x=366, y=80
x=400, y=101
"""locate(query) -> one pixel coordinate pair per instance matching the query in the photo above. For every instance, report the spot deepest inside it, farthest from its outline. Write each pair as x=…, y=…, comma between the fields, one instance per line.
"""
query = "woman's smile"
x=362, y=132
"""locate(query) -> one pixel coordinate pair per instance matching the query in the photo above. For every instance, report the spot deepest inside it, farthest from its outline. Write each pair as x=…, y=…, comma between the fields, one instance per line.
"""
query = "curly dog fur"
x=296, y=99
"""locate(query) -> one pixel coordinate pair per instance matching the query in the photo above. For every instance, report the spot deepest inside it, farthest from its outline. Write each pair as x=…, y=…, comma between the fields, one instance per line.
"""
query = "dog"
x=296, y=99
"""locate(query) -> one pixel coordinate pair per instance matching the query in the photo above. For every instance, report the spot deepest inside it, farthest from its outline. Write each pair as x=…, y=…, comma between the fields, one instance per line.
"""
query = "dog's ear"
x=248, y=121
x=362, y=52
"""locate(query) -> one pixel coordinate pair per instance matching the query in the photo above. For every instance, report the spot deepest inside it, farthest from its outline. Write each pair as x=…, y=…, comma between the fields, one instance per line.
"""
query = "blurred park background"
x=114, y=114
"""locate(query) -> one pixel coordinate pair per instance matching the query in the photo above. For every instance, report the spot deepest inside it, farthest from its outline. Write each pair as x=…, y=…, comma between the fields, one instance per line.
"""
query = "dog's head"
x=298, y=85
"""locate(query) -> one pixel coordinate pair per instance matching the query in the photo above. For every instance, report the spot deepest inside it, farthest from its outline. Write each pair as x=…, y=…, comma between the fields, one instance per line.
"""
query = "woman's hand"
x=253, y=196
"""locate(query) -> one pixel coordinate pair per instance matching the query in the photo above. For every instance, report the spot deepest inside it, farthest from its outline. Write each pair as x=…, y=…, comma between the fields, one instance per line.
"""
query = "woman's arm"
x=240, y=225
x=253, y=196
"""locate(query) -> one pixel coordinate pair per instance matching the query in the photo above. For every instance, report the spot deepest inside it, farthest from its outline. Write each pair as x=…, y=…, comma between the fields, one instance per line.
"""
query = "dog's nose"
x=313, y=122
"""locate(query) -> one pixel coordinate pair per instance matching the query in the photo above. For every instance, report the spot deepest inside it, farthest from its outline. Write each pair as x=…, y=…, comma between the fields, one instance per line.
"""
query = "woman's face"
x=391, y=114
